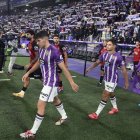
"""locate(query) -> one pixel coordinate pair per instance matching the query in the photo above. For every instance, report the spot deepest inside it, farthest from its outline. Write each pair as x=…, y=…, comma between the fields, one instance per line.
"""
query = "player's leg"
x=105, y=97
x=24, y=88
x=114, y=104
x=109, y=88
x=37, y=75
x=11, y=63
x=41, y=105
x=60, y=108
x=39, y=116
x=60, y=82
x=59, y=71
x=47, y=95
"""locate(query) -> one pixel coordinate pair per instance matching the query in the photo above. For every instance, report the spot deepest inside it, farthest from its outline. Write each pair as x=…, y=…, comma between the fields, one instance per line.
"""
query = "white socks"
x=100, y=107
x=37, y=123
x=60, y=109
x=113, y=102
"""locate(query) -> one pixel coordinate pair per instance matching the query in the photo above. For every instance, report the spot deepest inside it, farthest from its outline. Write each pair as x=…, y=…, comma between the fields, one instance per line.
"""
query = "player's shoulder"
x=54, y=49
x=61, y=45
x=118, y=54
x=105, y=53
x=35, y=46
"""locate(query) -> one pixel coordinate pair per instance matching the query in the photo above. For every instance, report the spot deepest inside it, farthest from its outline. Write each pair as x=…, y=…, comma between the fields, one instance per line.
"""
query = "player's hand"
x=75, y=87
x=25, y=77
x=126, y=86
x=27, y=67
x=87, y=70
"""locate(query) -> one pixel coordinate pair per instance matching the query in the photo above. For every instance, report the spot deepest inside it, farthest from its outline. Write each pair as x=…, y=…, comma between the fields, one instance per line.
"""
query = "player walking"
x=111, y=60
x=49, y=58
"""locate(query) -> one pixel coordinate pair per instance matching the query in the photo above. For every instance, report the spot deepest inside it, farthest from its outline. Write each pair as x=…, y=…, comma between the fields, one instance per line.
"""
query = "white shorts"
x=110, y=87
x=48, y=93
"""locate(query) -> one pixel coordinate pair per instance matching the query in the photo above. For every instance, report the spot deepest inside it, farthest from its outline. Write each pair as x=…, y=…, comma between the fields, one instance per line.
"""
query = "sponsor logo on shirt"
x=61, y=57
x=107, y=63
x=42, y=62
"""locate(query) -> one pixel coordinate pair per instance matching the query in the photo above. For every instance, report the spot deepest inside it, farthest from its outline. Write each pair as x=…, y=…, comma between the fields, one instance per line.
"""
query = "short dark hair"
x=41, y=34
x=56, y=35
x=138, y=40
x=112, y=40
x=30, y=31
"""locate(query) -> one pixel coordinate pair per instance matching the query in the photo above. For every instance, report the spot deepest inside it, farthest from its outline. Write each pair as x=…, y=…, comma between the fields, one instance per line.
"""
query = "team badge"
x=47, y=53
x=36, y=48
x=113, y=57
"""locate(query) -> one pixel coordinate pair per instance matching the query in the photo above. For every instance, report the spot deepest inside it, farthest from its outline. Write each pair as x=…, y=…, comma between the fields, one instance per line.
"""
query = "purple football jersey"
x=49, y=58
x=111, y=64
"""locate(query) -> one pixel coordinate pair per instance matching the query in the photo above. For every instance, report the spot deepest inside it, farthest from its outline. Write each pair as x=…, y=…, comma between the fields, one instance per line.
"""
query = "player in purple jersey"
x=49, y=58
x=112, y=60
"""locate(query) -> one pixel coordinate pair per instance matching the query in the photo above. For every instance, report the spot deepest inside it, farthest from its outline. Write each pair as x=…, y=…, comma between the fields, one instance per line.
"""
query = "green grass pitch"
x=16, y=115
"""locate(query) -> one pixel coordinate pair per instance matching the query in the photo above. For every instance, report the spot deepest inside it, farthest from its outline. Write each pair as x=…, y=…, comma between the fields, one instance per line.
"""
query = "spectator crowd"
x=86, y=20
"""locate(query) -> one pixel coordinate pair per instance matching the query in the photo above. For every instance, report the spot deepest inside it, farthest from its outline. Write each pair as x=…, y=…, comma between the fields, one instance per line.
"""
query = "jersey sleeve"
x=58, y=57
x=35, y=47
x=101, y=58
x=64, y=48
x=121, y=61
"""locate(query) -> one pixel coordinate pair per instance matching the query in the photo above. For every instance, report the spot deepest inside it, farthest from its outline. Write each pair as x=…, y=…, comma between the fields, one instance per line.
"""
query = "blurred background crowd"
x=82, y=20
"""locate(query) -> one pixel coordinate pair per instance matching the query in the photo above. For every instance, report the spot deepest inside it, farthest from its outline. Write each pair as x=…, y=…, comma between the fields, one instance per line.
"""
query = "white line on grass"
x=4, y=80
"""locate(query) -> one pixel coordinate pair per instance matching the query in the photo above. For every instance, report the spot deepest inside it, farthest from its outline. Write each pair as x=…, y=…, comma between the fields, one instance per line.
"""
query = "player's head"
x=42, y=38
x=56, y=39
x=30, y=34
x=137, y=44
x=111, y=45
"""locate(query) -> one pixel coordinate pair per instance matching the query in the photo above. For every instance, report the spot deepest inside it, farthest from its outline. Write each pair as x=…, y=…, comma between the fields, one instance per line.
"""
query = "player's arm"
x=124, y=72
x=66, y=59
x=35, y=59
x=93, y=66
x=65, y=56
x=34, y=68
x=68, y=76
x=35, y=48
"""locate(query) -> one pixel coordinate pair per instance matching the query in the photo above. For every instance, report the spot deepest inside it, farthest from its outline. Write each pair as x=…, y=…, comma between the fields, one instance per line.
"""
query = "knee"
x=27, y=80
x=56, y=101
x=105, y=96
